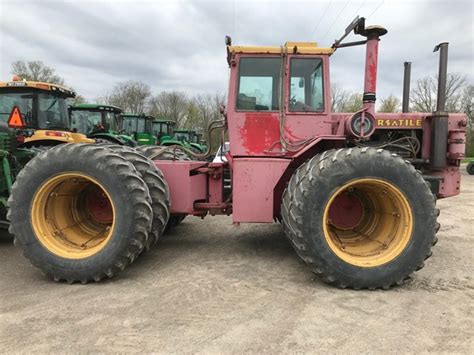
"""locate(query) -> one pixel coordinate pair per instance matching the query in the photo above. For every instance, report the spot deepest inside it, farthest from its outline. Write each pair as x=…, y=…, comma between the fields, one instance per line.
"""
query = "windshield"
x=181, y=136
x=160, y=129
x=85, y=121
x=129, y=124
x=52, y=112
x=112, y=121
x=140, y=125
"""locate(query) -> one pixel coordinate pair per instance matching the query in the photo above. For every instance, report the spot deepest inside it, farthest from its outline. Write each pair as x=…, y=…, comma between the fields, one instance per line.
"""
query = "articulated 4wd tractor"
x=355, y=192
x=100, y=122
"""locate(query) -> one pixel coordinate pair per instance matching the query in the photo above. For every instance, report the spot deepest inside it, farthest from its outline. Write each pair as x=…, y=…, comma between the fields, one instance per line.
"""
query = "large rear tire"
x=159, y=192
x=80, y=212
x=361, y=218
x=151, y=151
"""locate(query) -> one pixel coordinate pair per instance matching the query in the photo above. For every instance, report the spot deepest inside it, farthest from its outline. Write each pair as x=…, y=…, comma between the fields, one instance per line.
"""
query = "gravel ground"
x=210, y=286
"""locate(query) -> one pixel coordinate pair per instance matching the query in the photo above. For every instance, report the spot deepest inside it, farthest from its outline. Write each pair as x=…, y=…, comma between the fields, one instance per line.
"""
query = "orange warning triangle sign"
x=15, y=120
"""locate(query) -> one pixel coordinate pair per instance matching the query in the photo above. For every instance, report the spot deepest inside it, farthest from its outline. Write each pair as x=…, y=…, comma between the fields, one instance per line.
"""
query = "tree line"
x=197, y=111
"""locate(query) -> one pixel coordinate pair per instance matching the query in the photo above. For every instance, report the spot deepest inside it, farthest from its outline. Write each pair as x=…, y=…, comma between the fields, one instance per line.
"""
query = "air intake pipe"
x=439, y=119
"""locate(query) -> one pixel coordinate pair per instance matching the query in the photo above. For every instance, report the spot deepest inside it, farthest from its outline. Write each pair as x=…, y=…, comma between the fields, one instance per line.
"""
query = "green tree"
x=36, y=70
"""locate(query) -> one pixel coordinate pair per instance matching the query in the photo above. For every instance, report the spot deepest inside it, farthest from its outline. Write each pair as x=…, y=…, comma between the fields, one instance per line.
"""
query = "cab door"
x=307, y=98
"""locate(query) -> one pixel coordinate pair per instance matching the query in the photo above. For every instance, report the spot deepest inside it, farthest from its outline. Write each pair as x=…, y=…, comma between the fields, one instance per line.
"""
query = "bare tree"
x=390, y=103
x=172, y=105
x=423, y=96
x=202, y=110
x=36, y=70
x=77, y=100
x=344, y=101
x=339, y=98
x=131, y=96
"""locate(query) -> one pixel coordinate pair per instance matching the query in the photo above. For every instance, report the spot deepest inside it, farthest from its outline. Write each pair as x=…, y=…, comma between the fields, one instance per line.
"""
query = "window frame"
x=280, y=86
x=288, y=86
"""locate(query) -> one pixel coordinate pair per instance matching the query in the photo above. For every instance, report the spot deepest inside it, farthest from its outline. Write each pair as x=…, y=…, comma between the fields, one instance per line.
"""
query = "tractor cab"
x=37, y=111
x=163, y=130
x=100, y=122
x=189, y=139
x=139, y=126
x=272, y=87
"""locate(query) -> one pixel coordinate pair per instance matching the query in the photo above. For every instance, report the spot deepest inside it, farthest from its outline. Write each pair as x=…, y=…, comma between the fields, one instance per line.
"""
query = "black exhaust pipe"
x=439, y=120
x=406, y=87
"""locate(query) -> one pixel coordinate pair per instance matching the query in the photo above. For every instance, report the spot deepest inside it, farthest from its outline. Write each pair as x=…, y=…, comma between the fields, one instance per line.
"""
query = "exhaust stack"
x=439, y=120
x=406, y=87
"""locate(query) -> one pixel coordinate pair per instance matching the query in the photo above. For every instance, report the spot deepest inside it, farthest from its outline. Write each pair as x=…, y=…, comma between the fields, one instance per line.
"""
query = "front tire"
x=361, y=218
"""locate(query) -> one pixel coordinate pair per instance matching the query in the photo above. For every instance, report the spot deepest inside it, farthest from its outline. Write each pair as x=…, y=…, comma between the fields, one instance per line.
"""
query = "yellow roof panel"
x=37, y=85
x=289, y=47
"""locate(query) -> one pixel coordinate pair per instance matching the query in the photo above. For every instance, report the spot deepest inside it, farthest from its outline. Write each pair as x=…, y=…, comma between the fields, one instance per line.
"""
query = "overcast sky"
x=179, y=45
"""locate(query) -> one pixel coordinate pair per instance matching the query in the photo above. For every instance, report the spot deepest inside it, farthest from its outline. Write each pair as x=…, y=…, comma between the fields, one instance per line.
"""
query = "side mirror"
x=301, y=83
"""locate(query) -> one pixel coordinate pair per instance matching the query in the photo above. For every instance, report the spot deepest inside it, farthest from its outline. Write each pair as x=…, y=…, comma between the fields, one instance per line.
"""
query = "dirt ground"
x=212, y=287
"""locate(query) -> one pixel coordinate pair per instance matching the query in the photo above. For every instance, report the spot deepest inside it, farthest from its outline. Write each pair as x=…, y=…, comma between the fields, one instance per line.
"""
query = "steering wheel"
x=293, y=101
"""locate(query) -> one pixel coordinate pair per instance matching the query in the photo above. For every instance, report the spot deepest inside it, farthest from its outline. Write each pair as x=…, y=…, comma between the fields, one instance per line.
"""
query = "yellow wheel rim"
x=73, y=215
x=368, y=222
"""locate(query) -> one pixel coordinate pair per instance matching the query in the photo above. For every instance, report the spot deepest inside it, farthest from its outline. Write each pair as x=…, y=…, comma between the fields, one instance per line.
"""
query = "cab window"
x=306, y=85
x=24, y=103
x=259, y=84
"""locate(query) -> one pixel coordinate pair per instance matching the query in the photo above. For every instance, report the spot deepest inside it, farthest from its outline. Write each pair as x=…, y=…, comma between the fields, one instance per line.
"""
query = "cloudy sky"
x=179, y=45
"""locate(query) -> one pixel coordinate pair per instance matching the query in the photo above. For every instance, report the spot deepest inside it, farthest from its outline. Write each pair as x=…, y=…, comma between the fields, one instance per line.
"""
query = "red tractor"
x=355, y=192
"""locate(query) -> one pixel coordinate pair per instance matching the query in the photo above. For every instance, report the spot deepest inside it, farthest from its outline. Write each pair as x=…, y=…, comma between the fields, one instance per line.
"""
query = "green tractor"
x=100, y=122
x=190, y=139
x=33, y=117
x=139, y=126
x=163, y=130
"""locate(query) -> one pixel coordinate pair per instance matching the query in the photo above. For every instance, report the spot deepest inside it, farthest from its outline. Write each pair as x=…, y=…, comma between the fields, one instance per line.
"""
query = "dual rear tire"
x=83, y=212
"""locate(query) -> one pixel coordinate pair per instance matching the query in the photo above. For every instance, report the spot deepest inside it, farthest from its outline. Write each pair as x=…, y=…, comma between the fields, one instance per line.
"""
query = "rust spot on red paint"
x=260, y=131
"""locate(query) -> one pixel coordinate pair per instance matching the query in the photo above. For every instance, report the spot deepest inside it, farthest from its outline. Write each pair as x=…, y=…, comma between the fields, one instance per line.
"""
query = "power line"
x=376, y=8
x=360, y=7
x=321, y=18
x=337, y=18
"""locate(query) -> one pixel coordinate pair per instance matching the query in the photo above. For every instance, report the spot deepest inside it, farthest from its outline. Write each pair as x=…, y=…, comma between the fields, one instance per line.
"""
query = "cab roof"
x=99, y=107
x=184, y=131
x=37, y=85
x=142, y=115
x=161, y=120
x=288, y=47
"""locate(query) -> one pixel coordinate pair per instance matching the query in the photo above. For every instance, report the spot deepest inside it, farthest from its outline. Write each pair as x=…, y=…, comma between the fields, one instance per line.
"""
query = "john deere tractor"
x=100, y=122
x=163, y=130
x=190, y=139
x=33, y=117
x=139, y=126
